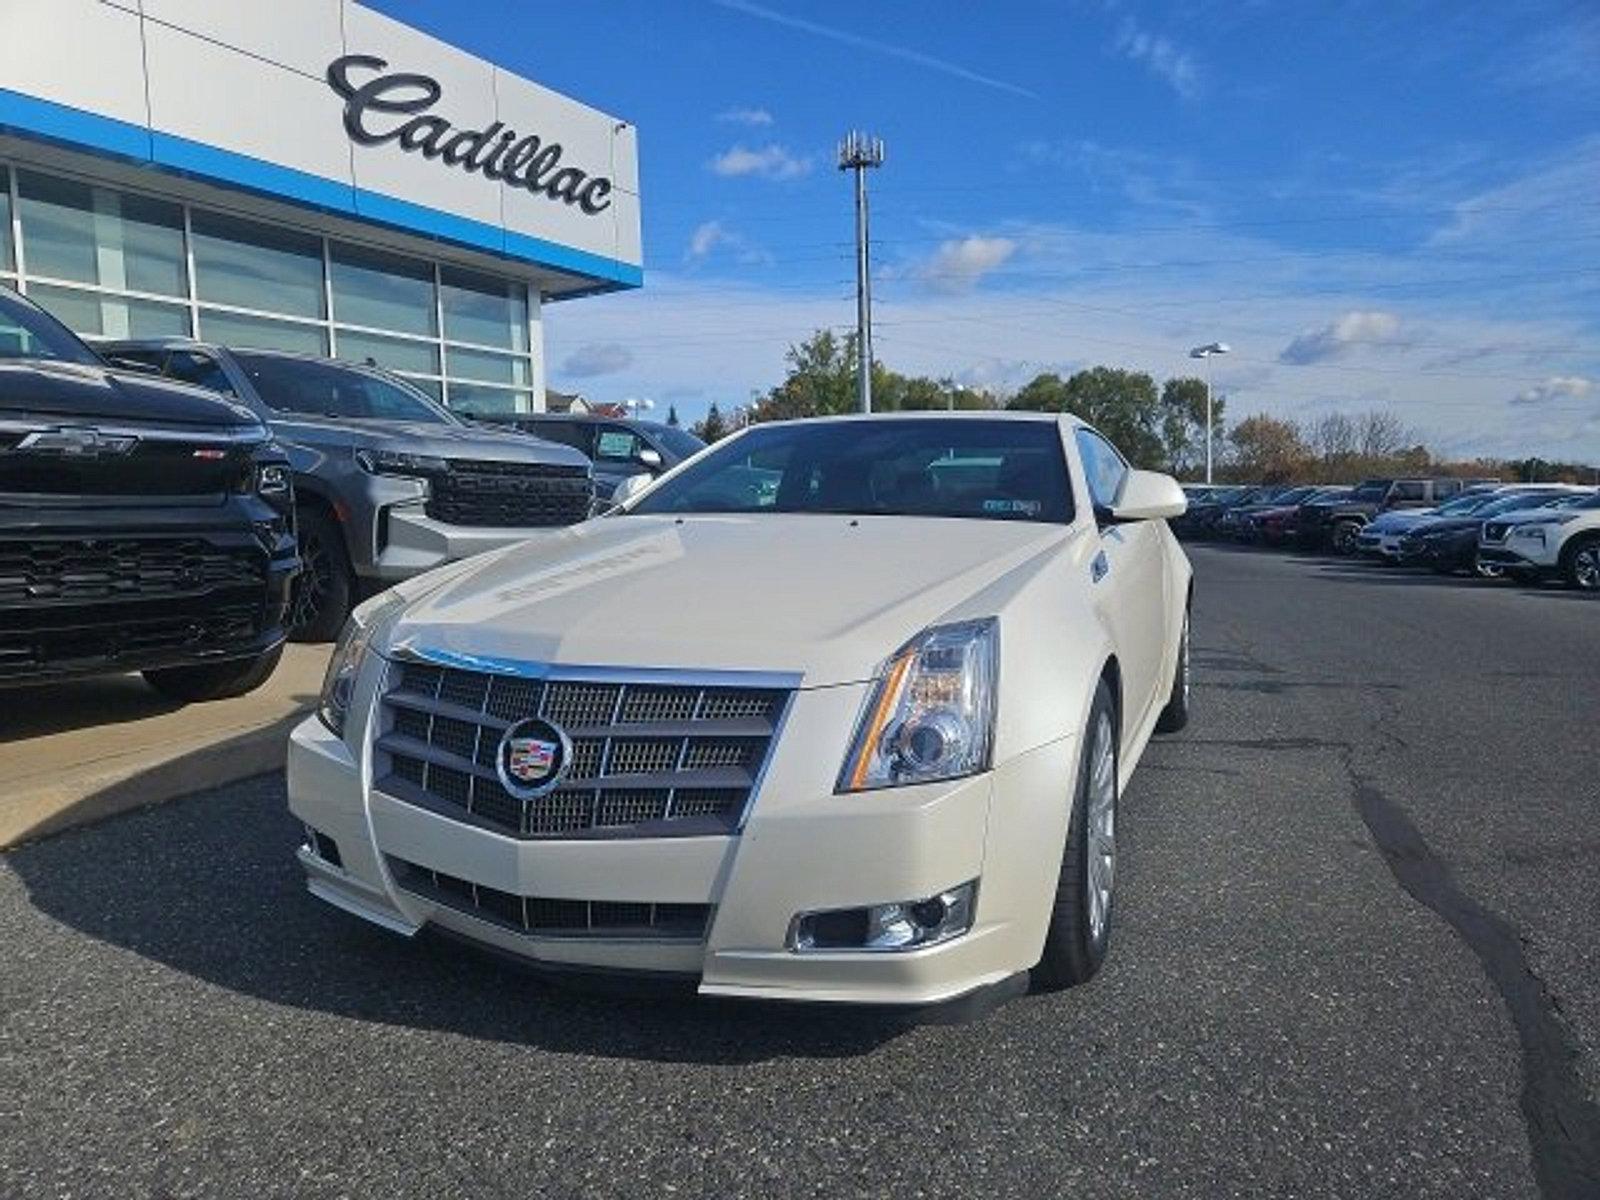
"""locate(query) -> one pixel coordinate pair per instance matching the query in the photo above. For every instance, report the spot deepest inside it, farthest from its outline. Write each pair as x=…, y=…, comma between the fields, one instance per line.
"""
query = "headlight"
x=1533, y=533
x=397, y=462
x=931, y=714
x=349, y=654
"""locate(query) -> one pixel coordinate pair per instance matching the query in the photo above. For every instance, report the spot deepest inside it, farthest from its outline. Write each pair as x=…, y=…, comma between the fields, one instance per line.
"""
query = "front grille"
x=546, y=917
x=514, y=495
x=78, y=570
x=1496, y=531
x=648, y=759
x=110, y=637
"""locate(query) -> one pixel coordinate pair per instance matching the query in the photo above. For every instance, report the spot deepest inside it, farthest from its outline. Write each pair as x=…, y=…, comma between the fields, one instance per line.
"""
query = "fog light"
x=902, y=925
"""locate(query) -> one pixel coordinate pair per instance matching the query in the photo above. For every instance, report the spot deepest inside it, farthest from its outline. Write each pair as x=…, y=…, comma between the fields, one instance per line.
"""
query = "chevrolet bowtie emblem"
x=77, y=442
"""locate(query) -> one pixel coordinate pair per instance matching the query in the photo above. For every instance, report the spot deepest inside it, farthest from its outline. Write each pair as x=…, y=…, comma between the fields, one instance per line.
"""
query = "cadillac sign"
x=397, y=108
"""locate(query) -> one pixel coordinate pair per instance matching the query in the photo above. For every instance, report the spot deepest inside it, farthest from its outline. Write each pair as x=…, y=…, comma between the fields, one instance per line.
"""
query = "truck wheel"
x=1581, y=564
x=1345, y=535
x=1176, y=714
x=321, y=599
x=214, y=681
x=1080, y=919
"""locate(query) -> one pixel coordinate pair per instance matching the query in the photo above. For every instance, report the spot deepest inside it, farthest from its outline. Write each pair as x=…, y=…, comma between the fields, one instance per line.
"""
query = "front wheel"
x=323, y=592
x=214, y=681
x=1345, y=536
x=1582, y=565
x=1079, y=935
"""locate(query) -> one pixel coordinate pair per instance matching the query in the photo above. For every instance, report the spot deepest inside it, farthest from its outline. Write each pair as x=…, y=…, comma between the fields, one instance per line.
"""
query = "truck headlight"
x=349, y=655
x=931, y=713
x=398, y=462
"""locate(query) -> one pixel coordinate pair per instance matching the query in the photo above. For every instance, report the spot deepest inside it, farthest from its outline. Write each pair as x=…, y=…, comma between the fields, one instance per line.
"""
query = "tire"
x=1343, y=538
x=1176, y=714
x=1580, y=564
x=1487, y=570
x=323, y=591
x=1079, y=935
x=214, y=681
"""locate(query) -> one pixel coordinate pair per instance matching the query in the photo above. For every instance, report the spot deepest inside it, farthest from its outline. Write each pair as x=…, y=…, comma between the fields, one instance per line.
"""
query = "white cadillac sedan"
x=837, y=710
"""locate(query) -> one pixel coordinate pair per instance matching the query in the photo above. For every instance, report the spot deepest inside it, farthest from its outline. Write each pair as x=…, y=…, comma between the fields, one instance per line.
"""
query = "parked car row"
x=181, y=508
x=1528, y=531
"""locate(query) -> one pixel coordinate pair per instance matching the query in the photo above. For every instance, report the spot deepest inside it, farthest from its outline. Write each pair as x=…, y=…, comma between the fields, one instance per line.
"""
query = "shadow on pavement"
x=208, y=886
x=63, y=705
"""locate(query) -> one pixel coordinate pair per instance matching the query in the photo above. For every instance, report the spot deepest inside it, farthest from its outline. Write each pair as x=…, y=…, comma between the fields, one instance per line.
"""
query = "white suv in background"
x=1563, y=542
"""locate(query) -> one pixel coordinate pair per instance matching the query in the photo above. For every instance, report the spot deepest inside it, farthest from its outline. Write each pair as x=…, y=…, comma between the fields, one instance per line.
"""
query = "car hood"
x=1393, y=522
x=827, y=597
x=428, y=438
x=78, y=392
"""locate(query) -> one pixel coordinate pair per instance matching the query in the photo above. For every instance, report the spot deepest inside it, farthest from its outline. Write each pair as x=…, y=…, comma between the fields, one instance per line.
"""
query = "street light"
x=635, y=407
x=1207, y=351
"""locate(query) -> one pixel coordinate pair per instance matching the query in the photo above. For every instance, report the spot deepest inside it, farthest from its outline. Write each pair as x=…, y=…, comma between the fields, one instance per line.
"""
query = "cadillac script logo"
x=534, y=756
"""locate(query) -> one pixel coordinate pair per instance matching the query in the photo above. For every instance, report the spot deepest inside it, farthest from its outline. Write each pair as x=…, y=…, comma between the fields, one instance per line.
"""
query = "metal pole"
x=1210, y=424
x=863, y=297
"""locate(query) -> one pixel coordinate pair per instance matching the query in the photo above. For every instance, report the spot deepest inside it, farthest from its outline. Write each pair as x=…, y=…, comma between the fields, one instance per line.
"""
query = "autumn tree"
x=1268, y=450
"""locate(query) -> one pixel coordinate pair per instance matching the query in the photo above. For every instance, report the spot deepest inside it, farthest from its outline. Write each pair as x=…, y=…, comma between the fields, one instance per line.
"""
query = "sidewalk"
x=76, y=752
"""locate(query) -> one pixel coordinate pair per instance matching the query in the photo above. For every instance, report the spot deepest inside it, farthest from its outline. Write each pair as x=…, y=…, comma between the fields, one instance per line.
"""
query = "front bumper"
x=414, y=542
x=801, y=849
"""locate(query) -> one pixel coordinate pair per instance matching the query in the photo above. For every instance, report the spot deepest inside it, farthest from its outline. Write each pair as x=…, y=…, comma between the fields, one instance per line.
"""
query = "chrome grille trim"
x=640, y=740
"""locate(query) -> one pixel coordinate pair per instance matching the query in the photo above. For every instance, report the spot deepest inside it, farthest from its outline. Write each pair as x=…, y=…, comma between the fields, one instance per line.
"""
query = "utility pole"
x=857, y=153
x=1206, y=353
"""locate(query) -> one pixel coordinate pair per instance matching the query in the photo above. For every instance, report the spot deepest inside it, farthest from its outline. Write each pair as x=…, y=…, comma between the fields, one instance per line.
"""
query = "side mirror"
x=650, y=457
x=1149, y=496
x=630, y=487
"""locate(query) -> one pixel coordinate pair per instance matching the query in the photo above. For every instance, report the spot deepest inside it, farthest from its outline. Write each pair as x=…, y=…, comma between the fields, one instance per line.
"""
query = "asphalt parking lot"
x=1358, y=953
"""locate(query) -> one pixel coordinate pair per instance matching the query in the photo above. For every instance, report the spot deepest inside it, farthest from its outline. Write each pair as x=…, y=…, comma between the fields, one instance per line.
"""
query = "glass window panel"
x=96, y=235
x=471, y=399
x=257, y=266
x=483, y=309
x=262, y=333
x=394, y=354
x=381, y=291
x=490, y=368
x=8, y=260
x=95, y=314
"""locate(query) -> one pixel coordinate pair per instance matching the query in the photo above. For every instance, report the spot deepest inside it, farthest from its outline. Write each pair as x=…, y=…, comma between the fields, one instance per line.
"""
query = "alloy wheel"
x=1586, y=567
x=1100, y=878
x=315, y=581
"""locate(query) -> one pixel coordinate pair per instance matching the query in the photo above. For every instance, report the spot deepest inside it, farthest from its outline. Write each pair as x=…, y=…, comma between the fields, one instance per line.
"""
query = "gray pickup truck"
x=388, y=483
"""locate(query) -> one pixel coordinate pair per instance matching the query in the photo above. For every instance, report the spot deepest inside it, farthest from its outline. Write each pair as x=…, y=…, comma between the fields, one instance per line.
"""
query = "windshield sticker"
x=1026, y=508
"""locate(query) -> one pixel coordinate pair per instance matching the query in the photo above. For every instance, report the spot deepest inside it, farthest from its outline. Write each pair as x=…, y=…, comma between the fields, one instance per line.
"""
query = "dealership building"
x=307, y=175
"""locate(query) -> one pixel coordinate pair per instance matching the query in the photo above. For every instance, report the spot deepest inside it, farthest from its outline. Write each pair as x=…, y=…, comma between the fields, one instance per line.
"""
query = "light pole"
x=857, y=153
x=637, y=407
x=1207, y=352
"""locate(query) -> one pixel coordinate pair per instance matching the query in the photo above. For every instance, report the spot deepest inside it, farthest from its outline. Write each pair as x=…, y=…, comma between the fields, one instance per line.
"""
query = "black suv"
x=144, y=525
x=390, y=483
x=619, y=446
x=1336, y=523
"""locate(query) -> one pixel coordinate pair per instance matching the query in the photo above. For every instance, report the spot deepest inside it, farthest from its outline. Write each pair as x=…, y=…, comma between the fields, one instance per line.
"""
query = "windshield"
x=1506, y=504
x=1460, y=508
x=328, y=389
x=679, y=442
x=1371, y=491
x=939, y=467
x=27, y=331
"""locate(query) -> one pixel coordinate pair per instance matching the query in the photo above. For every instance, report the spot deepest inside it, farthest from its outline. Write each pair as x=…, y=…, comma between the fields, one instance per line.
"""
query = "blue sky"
x=1378, y=205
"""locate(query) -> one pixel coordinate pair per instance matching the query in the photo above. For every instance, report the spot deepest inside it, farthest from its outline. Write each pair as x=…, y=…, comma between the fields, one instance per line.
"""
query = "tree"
x=672, y=415
x=1183, y=422
x=1269, y=450
x=1380, y=434
x=714, y=428
x=1123, y=405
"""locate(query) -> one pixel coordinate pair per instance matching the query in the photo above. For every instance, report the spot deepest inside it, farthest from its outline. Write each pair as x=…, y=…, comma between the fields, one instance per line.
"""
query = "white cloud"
x=769, y=162
x=704, y=239
x=1162, y=57
x=597, y=358
x=1555, y=388
x=709, y=235
x=759, y=117
x=1339, y=337
x=958, y=265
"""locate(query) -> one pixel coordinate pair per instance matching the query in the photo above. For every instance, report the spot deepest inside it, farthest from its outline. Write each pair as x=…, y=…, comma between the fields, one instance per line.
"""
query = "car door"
x=1130, y=577
x=616, y=455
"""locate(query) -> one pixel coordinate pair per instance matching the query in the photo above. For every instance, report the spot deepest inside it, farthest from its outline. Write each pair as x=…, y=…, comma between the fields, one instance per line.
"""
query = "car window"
x=27, y=331
x=616, y=443
x=1410, y=491
x=569, y=433
x=320, y=388
x=193, y=366
x=1104, y=468
x=680, y=443
x=991, y=470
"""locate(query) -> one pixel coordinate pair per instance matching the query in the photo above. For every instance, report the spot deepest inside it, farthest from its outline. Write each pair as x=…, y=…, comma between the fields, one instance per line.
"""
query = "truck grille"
x=110, y=638
x=38, y=571
x=510, y=495
x=648, y=759
x=545, y=917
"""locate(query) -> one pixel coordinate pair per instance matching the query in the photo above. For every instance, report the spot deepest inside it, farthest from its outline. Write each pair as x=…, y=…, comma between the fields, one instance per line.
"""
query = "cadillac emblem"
x=533, y=758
